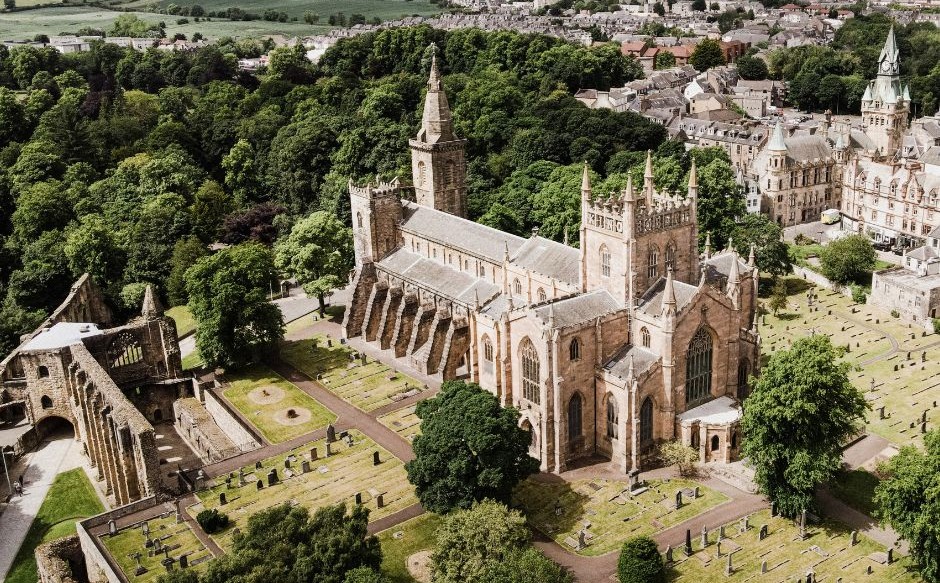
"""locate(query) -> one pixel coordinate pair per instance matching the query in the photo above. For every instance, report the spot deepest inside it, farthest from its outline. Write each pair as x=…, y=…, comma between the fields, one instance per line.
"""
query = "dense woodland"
x=126, y=164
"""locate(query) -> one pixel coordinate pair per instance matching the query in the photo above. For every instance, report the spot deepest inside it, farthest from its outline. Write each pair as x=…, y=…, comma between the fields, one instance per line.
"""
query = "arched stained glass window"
x=698, y=368
x=530, y=371
x=574, y=417
x=646, y=422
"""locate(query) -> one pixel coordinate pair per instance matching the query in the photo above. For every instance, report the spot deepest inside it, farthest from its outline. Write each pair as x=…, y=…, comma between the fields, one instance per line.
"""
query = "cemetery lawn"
x=417, y=534
x=826, y=551
x=613, y=518
x=131, y=540
x=185, y=323
x=404, y=422
x=269, y=415
x=330, y=481
x=868, y=333
x=70, y=498
x=367, y=387
x=857, y=489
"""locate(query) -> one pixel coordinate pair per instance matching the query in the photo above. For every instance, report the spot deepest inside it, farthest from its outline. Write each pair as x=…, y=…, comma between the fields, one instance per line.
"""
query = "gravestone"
x=358, y=498
x=241, y=476
x=802, y=534
x=718, y=548
x=145, y=528
x=668, y=554
x=349, y=440
x=272, y=477
x=581, y=541
x=678, y=499
x=313, y=454
x=140, y=568
x=688, y=542
x=330, y=433
x=744, y=524
x=228, y=481
x=881, y=412
x=179, y=511
x=259, y=485
x=329, y=449
x=112, y=527
x=287, y=463
x=695, y=493
x=304, y=466
x=773, y=509
x=890, y=556
x=222, y=500
x=728, y=568
x=258, y=465
x=184, y=561
x=810, y=577
x=380, y=501
x=763, y=567
x=168, y=564
x=157, y=545
x=853, y=538
x=704, y=536
x=721, y=532
x=375, y=458
x=763, y=532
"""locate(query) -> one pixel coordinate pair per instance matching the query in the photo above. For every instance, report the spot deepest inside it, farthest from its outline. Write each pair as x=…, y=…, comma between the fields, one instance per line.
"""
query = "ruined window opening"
x=125, y=350
x=42, y=372
x=46, y=402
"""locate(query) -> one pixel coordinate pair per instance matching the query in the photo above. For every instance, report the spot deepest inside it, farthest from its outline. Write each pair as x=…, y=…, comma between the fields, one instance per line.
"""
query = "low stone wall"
x=60, y=560
x=241, y=435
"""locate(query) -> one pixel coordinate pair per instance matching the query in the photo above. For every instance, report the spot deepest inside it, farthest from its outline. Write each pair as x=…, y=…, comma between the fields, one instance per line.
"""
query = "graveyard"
x=276, y=407
x=897, y=365
x=770, y=548
x=403, y=421
x=309, y=476
x=402, y=541
x=168, y=537
x=606, y=512
x=359, y=380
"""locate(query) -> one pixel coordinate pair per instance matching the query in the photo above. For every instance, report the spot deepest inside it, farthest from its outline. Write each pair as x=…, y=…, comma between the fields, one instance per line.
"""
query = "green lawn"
x=404, y=540
x=608, y=514
x=185, y=323
x=383, y=9
x=177, y=536
x=329, y=481
x=857, y=489
x=367, y=387
x=192, y=360
x=827, y=551
x=404, y=422
x=70, y=499
x=269, y=413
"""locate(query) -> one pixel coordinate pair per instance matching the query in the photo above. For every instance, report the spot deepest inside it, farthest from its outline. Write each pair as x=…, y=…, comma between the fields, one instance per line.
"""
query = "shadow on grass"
x=315, y=357
x=857, y=489
x=550, y=504
x=787, y=316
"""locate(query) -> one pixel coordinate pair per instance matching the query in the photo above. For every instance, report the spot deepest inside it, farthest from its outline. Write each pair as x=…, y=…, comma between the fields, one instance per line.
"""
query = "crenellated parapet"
x=606, y=214
x=388, y=189
x=664, y=215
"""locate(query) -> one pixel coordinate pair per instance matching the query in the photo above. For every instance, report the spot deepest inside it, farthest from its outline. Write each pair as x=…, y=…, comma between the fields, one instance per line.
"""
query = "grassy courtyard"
x=907, y=378
x=177, y=537
x=606, y=511
x=402, y=541
x=366, y=386
x=276, y=407
x=404, y=422
x=329, y=481
x=70, y=498
x=827, y=552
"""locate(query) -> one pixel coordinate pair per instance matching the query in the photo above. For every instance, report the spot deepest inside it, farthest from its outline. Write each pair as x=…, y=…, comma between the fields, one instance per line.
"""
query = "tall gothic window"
x=698, y=368
x=422, y=173
x=359, y=219
x=612, y=418
x=530, y=371
x=124, y=350
x=574, y=417
x=646, y=422
x=670, y=257
x=652, y=264
x=744, y=370
x=645, y=337
x=574, y=350
x=487, y=355
x=517, y=287
x=541, y=295
x=605, y=261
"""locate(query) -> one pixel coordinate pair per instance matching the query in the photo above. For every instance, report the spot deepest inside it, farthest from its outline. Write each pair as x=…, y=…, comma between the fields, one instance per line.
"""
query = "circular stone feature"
x=419, y=566
x=293, y=416
x=266, y=395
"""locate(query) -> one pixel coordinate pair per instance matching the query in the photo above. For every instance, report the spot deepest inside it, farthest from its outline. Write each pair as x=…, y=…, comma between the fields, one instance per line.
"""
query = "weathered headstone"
x=145, y=528
x=729, y=569
x=222, y=500
x=380, y=501
x=695, y=493
x=140, y=568
x=678, y=498
x=168, y=564
x=744, y=524
x=358, y=498
x=112, y=527
x=287, y=463
x=721, y=532
x=304, y=466
x=272, y=477
x=329, y=449
x=763, y=532
x=704, y=536
x=375, y=458
x=810, y=577
x=881, y=412
x=313, y=454
x=668, y=554
x=330, y=433
x=258, y=465
x=581, y=541
x=773, y=509
x=853, y=538
x=763, y=567
x=241, y=476
x=803, y=525
x=718, y=548
x=890, y=555
x=259, y=484
x=184, y=561
x=688, y=542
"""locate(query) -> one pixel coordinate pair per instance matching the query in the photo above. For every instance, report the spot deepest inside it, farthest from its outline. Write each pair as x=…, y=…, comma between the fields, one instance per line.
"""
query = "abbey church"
x=632, y=339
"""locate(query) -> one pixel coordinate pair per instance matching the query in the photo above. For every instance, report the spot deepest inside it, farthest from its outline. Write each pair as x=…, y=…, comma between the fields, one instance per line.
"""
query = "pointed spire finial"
x=551, y=315
x=151, y=307
x=434, y=79
x=750, y=256
x=631, y=371
x=506, y=251
x=777, y=140
x=648, y=179
x=629, y=189
x=708, y=246
x=734, y=274
x=648, y=171
x=669, y=294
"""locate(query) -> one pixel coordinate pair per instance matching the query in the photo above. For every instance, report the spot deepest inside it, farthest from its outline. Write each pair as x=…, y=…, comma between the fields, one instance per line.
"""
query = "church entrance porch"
x=713, y=429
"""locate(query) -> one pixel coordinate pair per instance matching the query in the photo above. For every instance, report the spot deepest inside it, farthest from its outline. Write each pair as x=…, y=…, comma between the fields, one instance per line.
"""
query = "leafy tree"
x=132, y=296
x=659, y=9
x=470, y=448
x=849, y=259
x=640, y=562
x=291, y=64
x=907, y=500
x=557, y=206
x=212, y=521
x=210, y=207
x=699, y=5
x=720, y=202
x=228, y=298
x=684, y=457
x=471, y=540
x=318, y=252
x=186, y=252
x=130, y=25
x=771, y=253
x=527, y=565
x=752, y=68
x=363, y=575
x=778, y=297
x=91, y=248
x=707, y=54
x=802, y=409
x=253, y=224
x=298, y=161
x=664, y=60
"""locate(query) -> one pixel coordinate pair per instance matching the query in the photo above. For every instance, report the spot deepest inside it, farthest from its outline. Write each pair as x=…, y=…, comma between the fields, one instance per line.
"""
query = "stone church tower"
x=886, y=104
x=438, y=165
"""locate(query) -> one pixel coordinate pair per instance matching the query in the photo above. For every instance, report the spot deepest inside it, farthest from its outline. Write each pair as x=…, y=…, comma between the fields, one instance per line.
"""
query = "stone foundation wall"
x=60, y=561
x=242, y=436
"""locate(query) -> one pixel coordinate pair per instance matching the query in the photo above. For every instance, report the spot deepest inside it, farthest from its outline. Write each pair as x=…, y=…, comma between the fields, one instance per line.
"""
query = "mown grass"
x=70, y=498
x=416, y=535
x=185, y=323
x=131, y=540
x=857, y=489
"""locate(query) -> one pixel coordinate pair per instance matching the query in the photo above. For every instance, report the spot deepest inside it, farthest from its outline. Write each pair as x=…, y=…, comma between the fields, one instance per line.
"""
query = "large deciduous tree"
x=802, y=409
x=720, y=202
x=772, y=254
x=470, y=448
x=640, y=562
x=707, y=54
x=228, y=291
x=849, y=259
x=909, y=500
x=318, y=252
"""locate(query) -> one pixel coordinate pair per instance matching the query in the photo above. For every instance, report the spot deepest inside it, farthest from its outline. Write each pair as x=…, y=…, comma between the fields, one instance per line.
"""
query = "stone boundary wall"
x=241, y=435
x=54, y=559
x=820, y=280
x=99, y=564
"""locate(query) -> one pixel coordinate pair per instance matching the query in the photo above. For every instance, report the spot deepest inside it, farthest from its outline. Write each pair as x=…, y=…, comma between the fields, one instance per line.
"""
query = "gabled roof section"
x=549, y=258
x=578, y=309
x=459, y=233
x=651, y=302
x=718, y=268
x=452, y=284
x=641, y=359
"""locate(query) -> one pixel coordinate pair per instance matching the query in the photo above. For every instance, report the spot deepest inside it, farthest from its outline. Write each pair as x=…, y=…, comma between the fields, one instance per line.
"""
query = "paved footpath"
x=46, y=463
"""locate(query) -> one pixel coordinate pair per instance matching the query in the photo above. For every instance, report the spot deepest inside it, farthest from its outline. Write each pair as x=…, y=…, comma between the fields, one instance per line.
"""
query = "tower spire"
x=586, y=182
x=693, y=181
x=669, y=296
x=648, y=179
x=889, y=61
x=436, y=122
x=777, y=142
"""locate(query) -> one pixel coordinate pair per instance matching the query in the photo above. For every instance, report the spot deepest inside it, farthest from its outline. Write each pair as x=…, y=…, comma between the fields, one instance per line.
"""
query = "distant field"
x=383, y=9
x=26, y=24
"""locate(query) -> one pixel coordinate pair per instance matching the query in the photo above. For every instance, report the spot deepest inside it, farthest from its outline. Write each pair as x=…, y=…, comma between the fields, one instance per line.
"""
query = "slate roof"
x=924, y=253
x=718, y=267
x=717, y=411
x=803, y=148
x=652, y=301
x=619, y=365
x=578, y=309
x=431, y=274
x=458, y=233
x=549, y=258
x=935, y=234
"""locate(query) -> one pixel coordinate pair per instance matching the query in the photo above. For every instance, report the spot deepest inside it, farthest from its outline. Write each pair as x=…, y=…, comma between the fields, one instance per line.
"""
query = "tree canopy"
x=640, y=562
x=848, y=260
x=801, y=410
x=470, y=448
x=318, y=252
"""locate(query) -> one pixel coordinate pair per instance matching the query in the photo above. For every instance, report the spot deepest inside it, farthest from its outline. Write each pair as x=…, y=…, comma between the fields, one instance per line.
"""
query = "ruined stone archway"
x=54, y=426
